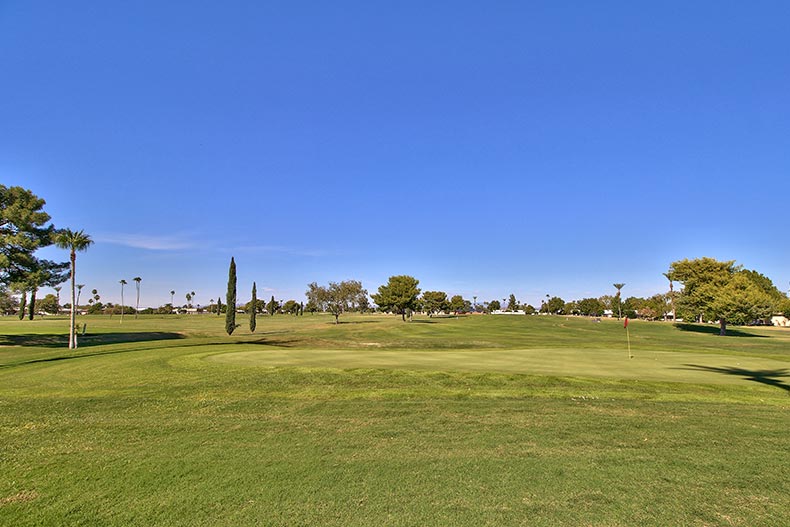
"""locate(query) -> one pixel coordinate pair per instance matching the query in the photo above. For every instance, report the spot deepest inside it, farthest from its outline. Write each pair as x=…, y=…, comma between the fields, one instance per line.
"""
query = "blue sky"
x=484, y=148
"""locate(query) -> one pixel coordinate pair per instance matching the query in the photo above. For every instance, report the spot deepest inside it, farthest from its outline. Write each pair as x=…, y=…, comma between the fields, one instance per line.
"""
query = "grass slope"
x=470, y=421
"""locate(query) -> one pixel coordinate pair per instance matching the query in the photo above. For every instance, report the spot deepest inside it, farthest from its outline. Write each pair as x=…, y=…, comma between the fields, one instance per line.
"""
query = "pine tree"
x=253, y=308
x=230, y=299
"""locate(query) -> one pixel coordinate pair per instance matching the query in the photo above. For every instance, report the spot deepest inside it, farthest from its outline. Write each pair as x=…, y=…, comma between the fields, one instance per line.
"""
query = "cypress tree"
x=301, y=309
x=219, y=306
x=272, y=305
x=253, y=309
x=230, y=299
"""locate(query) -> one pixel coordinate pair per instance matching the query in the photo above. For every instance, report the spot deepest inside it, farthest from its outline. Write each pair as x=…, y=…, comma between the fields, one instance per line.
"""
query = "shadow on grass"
x=85, y=341
x=423, y=321
x=62, y=341
x=767, y=377
x=714, y=330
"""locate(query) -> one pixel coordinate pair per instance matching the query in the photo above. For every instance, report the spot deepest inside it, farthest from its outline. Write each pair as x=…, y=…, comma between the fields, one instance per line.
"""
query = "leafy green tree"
x=291, y=307
x=399, y=294
x=555, y=305
x=435, y=302
x=74, y=241
x=272, y=306
x=253, y=309
x=230, y=299
x=48, y=304
x=337, y=297
x=722, y=291
x=24, y=228
x=512, y=303
x=8, y=304
x=529, y=309
x=591, y=307
x=457, y=303
x=494, y=305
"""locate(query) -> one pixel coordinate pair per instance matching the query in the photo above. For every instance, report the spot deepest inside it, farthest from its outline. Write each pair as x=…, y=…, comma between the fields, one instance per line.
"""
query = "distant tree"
x=219, y=306
x=188, y=297
x=529, y=309
x=172, y=294
x=192, y=298
x=311, y=307
x=137, y=281
x=457, y=303
x=123, y=283
x=555, y=305
x=253, y=308
x=617, y=296
x=591, y=307
x=273, y=306
x=668, y=276
x=43, y=273
x=723, y=291
x=399, y=295
x=57, y=289
x=512, y=303
x=301, y=308
x=79, y=292
x=74, y=241
x=48, y=304
x=8, y=304
x=291, y=307
x=337, y=297
x=230, y=299
x=494, y=305
x=435, y=302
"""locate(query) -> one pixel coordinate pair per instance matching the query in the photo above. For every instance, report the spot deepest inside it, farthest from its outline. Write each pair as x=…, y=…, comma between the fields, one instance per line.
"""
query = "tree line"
x=710, y=290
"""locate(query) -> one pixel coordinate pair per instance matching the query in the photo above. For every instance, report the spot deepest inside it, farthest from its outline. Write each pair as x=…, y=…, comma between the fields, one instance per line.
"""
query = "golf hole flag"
x=628, y=336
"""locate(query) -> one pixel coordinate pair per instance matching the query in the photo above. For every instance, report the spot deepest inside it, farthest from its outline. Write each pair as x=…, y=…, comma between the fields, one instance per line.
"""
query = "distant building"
x=516, y=312
x=780, y=320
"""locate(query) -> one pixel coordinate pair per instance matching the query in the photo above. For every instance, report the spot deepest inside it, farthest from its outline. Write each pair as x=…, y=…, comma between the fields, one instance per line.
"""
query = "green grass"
x=468, y=421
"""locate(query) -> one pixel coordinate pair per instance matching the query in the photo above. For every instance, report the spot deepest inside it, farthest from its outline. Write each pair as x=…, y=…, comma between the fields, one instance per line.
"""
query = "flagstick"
x=628, y=336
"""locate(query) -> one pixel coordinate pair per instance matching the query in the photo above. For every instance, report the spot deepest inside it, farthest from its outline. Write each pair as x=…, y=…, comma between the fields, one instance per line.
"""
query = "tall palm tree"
x=57, y=289
x=79, y=292
x=172, y=294
x=619, y=311
x=123, y=283
x=192, y=296
x=137, y=281
x=73, y=241
x=188, y=296
x=668, y=276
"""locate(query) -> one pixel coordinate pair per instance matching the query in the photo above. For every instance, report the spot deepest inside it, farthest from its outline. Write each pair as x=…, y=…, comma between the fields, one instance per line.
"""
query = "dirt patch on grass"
x=20, y=497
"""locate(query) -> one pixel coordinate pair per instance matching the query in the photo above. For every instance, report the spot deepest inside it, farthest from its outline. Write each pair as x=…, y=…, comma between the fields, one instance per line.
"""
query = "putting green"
x=613, y=364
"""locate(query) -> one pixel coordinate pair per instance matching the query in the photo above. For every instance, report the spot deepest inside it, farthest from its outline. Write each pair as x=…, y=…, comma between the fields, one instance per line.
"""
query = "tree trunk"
x=722, y=327
x=403, y=315
x=73, y=310
x=337, y=316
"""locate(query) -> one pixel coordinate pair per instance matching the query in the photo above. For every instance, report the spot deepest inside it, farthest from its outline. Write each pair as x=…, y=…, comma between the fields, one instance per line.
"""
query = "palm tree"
x=172, y=294
x=123, y=283
x=57, y=289
x=73, y=241
x=192, y=296
x=137, y=281
x=79, y=292
x=619, y=311
x=188, y=296
x=668, y=276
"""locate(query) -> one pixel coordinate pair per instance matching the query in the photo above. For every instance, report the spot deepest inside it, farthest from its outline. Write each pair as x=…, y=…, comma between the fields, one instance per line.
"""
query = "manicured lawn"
x=468, y=421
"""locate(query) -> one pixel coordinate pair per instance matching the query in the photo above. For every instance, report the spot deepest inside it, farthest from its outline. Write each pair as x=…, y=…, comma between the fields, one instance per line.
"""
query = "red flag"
x=625, y=324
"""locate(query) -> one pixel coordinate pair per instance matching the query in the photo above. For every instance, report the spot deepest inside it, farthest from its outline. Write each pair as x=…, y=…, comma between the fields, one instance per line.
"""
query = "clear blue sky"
x=484, y=148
